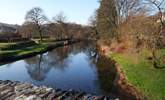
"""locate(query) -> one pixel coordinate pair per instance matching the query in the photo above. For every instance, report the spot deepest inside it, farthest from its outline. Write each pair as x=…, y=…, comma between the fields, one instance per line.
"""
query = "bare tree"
x=61, y=19
x=154, y=40
x=160, y=6
x=93, y=24
x=26, y=30
x=127, y=8
x=38, y=18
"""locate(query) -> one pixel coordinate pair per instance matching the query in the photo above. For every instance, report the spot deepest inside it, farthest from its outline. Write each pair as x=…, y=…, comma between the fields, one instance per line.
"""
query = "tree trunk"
x=40, y=36
x=154, y=59
x=39, y=29
x=40, y=33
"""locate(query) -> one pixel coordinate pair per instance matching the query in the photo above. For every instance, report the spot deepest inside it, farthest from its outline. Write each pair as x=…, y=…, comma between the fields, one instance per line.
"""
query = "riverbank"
x=10, y=90
x=138, y=77
x=9, y=54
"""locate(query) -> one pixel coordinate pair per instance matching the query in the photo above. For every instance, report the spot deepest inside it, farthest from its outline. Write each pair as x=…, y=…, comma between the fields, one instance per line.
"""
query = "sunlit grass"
x=36, y=48
x=141, y=73
x=8, y=50
x=2, y=45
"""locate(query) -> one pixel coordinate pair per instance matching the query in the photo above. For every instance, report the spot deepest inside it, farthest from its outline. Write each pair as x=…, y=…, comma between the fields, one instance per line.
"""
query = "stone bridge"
x=10, y=90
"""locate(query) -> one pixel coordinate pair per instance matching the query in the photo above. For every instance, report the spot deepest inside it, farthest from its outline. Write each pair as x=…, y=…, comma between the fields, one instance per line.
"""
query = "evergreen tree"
x=107, y=19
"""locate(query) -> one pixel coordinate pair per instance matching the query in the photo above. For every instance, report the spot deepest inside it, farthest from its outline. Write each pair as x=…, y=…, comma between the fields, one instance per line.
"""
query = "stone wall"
x=23, y=91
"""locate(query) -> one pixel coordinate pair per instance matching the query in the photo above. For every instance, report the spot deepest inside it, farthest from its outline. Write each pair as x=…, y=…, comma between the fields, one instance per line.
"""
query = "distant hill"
x=8, y=32
x=8, y=28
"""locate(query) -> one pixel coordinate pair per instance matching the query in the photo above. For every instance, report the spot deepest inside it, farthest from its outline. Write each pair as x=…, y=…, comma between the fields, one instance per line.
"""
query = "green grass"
x=27, y=50
x=3, y=45
x=16, y=45
x=17, y=49
x=140, y=73
x=24, y=48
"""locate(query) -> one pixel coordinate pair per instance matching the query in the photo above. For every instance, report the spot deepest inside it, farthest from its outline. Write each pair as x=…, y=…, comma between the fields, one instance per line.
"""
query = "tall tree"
x=107, y=19
x=38, y=18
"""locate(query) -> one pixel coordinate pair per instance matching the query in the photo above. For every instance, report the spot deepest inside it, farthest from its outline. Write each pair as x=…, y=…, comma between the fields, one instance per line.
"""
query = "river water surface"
x=77, y=67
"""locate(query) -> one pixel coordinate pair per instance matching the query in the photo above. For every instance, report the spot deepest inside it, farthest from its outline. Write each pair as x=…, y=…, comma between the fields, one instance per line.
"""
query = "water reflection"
x=106, y=75
x=77, y=66
x=37, y=67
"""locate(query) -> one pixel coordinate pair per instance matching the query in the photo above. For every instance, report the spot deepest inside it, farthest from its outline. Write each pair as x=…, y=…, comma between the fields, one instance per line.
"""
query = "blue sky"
x=79, y=11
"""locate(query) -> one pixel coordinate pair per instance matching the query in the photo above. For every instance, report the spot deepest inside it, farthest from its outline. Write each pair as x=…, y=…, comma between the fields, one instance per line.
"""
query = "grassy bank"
x=16, y=51
x=140, y=73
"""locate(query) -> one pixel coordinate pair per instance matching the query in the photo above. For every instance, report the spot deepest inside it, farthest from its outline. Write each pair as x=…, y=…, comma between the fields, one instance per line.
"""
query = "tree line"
x=37, y=25
x=139, y=23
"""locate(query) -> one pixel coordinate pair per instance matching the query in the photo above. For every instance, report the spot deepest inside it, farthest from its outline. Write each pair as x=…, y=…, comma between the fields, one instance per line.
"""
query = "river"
x=78, y=67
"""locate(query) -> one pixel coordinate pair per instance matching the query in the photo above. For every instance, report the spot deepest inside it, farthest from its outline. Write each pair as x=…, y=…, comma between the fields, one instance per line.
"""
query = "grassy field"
x=14, y=51
x=22, y=51
x=140, y=73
